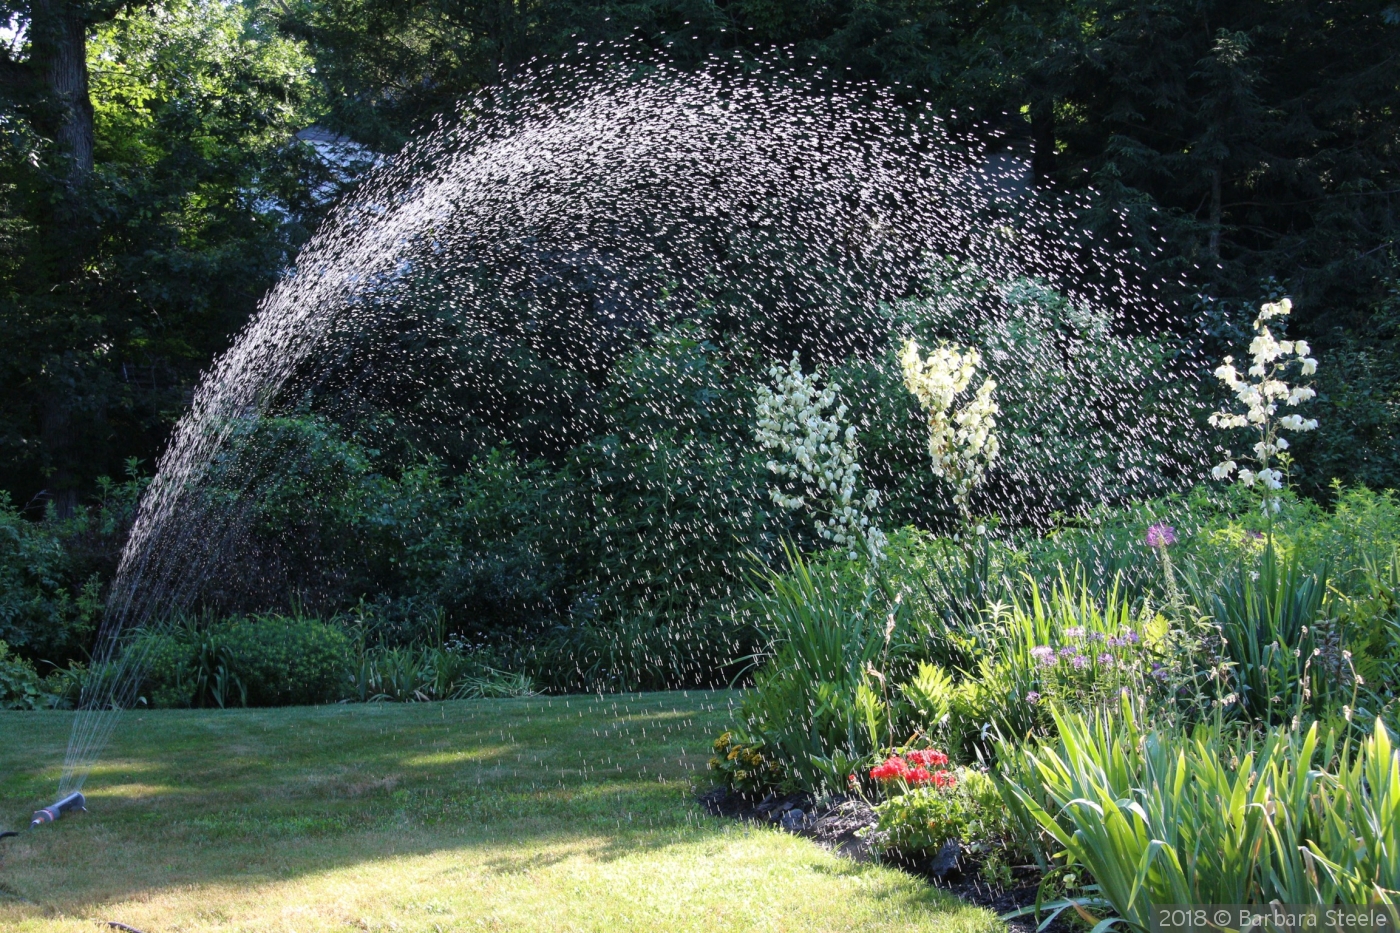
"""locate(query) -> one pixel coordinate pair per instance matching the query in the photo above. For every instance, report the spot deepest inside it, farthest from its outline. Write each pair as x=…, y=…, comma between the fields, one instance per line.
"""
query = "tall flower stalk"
x=810, y=444
x=1262, y=393
x=1160, y=537
x=962, y=441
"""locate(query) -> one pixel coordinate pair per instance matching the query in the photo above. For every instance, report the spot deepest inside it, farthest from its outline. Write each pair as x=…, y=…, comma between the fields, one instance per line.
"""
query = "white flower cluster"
x=1261, y=395
x=811, y=446
x=963, y=443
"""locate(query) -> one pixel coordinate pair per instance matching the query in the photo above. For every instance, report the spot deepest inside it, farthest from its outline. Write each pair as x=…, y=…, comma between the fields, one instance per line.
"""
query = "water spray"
x=73, y=803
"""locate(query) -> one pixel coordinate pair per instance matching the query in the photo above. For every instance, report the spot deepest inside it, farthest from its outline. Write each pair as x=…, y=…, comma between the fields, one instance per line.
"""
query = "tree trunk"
x=58, y=53
x=62, y=111
x=55, y=430
x=1214, y=242
x=1042, y=142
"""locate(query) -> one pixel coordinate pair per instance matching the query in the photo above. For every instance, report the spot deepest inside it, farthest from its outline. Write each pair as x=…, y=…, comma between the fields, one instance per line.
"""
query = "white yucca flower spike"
x=1259, y=399
x=811, y=445
x=962, y=443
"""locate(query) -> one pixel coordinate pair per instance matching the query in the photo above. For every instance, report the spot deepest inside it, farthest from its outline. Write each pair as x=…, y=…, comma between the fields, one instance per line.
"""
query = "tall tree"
x=151, y=190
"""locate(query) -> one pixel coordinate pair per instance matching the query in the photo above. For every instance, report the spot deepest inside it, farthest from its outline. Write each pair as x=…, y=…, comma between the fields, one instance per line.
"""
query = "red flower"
x=929, y=758
x=893, y=769
x=945, y=779
x=920, y=775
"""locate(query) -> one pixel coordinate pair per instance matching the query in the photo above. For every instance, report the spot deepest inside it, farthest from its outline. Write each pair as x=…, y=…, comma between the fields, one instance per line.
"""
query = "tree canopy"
x=152, y=184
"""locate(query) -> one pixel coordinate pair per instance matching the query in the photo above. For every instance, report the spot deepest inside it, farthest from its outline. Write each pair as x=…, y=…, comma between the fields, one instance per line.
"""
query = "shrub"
x=20, y=686
x=166, y=661
x=1059, y=365
x=254, y=661
x=284, y=661
x=40, y=615
x=921, y=820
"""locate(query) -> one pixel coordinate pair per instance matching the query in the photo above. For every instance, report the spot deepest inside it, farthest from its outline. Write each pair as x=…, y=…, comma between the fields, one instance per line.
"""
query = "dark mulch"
x=835, y=823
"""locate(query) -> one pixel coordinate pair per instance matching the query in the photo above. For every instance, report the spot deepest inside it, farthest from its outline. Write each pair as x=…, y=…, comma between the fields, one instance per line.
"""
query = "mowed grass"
x=543, y=814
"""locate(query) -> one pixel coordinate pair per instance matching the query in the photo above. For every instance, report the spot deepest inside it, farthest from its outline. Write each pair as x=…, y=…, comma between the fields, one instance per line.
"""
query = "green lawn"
x=562, y=813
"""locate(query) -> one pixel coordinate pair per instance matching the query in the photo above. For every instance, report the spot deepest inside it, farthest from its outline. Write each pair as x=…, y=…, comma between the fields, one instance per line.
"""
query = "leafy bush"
x=742, y=766
x=283, y=661
x=256, y=661
x=39, y=612
x=921, y=820
x=1059, y=365
x=21, y=687
x=166, y=661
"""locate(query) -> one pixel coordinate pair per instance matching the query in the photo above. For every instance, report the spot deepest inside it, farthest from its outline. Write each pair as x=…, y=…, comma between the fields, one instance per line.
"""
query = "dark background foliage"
x=152, y=186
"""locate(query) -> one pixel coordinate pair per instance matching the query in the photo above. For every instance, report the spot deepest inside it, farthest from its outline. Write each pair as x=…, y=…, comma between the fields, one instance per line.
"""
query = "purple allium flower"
x=1116, y=642
x=1130, y=637
x=1032, y=698
x=1067, y=652
x=1079, y=662
x=1074, y=631
x=1106, y=658
x=1160, y=672
x=1160, y=535
x=1096, y=636
x=1044, y=654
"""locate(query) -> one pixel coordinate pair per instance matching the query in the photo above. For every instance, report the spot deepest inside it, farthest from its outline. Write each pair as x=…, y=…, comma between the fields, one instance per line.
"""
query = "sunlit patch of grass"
x=544, y=813
x=458, y=757
x=131, y=791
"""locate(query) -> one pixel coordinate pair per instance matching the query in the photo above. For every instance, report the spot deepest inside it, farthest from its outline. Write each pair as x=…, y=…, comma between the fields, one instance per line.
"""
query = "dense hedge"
x=257, y=661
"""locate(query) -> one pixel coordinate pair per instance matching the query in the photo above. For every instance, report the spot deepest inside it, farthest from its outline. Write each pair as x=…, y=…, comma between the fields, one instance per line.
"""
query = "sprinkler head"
x=73, y=802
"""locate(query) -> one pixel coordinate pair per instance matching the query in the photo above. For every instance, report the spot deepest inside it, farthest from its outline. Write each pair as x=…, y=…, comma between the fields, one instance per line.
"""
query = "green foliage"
x=36, y=609
x=52, y=571
x=267, y=660
x=641, y=651
x=920, y=820
x=283, y=661
x=976, y=643
x=119, y=286
x=743, y=767
x=413, y=673
x=20, y=686
x=818, y=704
x=1271, y=615
x=916, y=822
x=616, y=564
x=1059, y=364
x=1213, y=818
